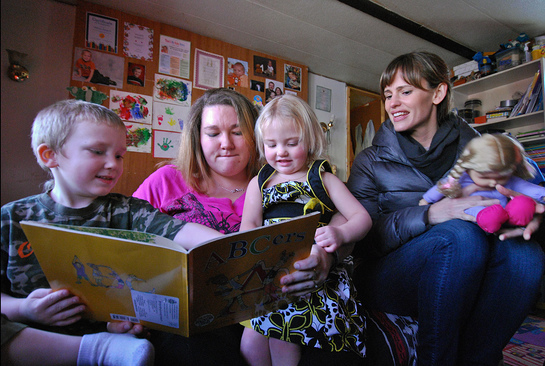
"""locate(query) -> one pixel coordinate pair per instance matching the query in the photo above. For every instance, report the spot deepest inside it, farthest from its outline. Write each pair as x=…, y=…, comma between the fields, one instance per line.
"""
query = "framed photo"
x=136, y=75
x=292, y=77
x=257, y=85
x=323, y=99
x=237, y=73
x=264, y=67
x=274, y=89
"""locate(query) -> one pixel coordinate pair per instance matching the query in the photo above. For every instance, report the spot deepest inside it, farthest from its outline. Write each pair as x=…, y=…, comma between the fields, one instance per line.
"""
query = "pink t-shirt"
x=167, y=190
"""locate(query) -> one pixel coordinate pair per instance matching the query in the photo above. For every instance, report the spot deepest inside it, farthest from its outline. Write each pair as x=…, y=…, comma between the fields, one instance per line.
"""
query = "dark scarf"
x=439, y=158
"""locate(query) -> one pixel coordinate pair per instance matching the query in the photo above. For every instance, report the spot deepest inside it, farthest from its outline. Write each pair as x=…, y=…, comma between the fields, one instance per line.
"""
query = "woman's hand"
x=532, y=226
x=311, y=273
x=45, y=306
x=453, y=208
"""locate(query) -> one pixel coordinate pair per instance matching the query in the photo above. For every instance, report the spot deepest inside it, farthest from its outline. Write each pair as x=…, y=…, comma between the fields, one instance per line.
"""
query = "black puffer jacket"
x=389, y=187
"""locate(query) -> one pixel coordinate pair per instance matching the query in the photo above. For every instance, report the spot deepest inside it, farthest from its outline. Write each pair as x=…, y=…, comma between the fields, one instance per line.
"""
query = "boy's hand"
x=45, y=306
x=128, y=327
x=328, y=237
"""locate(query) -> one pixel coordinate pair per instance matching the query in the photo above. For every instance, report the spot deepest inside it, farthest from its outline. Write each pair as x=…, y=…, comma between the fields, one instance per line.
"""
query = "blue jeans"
x=469, y=291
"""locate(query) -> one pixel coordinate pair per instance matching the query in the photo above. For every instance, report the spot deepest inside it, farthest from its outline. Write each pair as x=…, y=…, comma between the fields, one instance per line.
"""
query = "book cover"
x=148, y=279
x=520, y=107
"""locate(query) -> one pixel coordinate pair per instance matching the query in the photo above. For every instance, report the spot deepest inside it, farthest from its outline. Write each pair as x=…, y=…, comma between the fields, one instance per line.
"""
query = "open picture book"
x=148, y=279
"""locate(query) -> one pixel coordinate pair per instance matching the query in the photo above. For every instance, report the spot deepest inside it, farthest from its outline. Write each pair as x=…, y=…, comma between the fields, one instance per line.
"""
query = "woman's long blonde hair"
x=190, y=160
x=484, y=154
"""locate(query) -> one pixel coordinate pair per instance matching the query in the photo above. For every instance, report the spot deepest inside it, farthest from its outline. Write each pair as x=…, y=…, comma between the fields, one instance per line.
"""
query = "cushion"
x=391, y=339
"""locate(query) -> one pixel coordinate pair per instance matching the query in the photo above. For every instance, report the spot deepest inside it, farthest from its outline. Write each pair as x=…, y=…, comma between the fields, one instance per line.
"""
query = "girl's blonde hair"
x=485, y=154
x=190, y=160
x=291, y=109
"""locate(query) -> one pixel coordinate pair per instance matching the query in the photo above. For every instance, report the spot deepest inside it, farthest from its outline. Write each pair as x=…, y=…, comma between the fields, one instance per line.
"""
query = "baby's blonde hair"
x=485, y=154
x=292, y=109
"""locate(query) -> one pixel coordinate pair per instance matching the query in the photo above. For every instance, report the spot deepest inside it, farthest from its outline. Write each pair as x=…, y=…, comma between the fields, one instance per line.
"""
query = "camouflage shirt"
x=21, y=273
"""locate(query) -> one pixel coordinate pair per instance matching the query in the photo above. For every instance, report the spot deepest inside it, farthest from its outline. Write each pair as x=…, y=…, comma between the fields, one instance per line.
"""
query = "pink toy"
x=519, y=212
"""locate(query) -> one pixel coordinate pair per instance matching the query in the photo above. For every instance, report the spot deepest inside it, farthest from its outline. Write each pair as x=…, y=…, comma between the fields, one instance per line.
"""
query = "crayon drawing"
x=172, y=90
x=138, y=137
x=165, y=144
x=169, y=117
x=131, y=107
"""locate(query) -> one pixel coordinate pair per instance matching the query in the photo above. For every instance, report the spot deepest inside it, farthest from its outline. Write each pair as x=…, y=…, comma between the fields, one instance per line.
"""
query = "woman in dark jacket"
x=470, y=291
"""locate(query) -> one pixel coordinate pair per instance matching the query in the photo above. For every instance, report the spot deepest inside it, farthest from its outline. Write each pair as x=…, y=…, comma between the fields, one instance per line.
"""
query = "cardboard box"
x=465, y=69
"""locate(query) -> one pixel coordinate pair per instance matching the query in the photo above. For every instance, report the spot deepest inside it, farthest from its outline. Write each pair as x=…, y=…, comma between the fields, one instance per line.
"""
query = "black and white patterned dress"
x=330, y=317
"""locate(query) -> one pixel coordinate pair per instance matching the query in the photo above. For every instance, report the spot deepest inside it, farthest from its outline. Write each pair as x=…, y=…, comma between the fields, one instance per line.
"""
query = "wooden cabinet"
x=503, y=86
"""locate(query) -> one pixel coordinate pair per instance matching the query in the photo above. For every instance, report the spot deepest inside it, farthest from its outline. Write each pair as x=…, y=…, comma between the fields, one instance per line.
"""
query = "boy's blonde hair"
x=485, y=154
x=292, y=109
x=54, y=124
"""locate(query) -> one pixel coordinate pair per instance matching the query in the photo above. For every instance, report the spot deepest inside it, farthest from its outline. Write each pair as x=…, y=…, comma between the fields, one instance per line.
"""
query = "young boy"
x=82, y=145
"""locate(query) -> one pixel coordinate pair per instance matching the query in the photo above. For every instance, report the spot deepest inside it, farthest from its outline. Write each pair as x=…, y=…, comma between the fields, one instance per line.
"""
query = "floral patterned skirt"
x=329, y=318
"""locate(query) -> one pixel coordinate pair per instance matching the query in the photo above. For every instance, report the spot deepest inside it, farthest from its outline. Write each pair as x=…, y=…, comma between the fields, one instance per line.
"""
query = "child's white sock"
x=115, y=349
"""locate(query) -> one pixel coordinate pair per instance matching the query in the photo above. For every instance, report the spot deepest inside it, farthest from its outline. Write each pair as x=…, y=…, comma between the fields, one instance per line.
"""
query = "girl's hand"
x=45, y=306
x=453, y=208
x=532, y=226
x=328, y=237
x=311, y=273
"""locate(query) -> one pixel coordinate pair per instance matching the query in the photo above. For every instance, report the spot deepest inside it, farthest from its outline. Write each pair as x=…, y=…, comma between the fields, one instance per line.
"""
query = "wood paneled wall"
x=137, y=165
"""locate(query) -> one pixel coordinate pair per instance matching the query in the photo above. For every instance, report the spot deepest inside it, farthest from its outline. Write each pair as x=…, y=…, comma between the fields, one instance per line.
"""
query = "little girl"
x=487, y=161
x=293, y=183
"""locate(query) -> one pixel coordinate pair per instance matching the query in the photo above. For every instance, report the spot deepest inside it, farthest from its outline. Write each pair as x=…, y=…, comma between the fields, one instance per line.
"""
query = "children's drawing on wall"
x=292, y=77
x=138, y=137
x=172, y=90
x=257, y=85
x=274, y=89
x=165, y=144
x=265, y=67
x=136, y=74
x=98, y=67
x=131, y=107
x=169, y=117
x=101, y=33
x=138, y=42
x=237, y=73
x=88, y=94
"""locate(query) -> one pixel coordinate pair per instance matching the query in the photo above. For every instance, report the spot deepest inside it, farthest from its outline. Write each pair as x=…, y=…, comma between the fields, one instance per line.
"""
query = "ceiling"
x=340, y=42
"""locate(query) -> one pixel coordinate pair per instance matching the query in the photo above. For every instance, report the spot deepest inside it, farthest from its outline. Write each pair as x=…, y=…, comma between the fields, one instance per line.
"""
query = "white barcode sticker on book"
x=159, y=309
x=123, y=318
